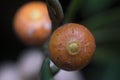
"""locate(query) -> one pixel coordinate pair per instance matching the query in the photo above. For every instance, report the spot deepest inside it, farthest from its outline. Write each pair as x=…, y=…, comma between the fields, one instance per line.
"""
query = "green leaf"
x=94, y=6
x=73, y=7
x=112, y=71
x=105, y=26
x=55, y=70
x=107, y=35
x=105, y=52
x=46, y=73
x=99, y=20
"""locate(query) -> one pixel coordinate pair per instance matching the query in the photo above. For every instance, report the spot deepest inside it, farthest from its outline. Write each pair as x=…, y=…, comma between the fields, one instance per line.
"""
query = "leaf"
x=92, y=7
x=105, y=53
x=73, y=7
x=45, y=72
x=112, y=71
x=107, y=35
x=54, y=70
x=107, y=17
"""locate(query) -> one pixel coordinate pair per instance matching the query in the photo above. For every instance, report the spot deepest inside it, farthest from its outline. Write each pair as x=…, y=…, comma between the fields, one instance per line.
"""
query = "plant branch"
x=55, y=11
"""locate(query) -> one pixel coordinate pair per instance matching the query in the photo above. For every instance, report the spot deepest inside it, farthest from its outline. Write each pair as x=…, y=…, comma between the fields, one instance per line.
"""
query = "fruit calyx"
x=73, y=48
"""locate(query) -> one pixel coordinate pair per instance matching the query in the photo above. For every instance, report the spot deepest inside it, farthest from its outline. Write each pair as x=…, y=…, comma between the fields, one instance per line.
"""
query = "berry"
x=71, y=46
x=32, y=23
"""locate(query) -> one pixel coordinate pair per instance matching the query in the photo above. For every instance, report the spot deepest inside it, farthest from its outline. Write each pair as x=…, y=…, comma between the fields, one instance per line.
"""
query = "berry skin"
x=32, y=23
x=71, y=46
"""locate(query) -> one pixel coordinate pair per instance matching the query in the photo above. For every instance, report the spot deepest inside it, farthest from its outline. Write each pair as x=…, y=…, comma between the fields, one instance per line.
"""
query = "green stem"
x=55, y=11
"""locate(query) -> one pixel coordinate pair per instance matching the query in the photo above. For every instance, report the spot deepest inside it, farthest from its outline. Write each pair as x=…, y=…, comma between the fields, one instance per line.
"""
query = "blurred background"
x=101, y=17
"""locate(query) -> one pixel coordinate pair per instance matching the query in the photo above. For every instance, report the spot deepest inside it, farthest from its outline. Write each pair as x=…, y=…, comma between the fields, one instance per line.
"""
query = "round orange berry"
x=71, y=46
x=32, y=23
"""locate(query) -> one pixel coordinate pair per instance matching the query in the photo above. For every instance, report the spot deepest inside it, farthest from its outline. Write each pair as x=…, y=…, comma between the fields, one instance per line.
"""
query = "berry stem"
x=55, y=11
